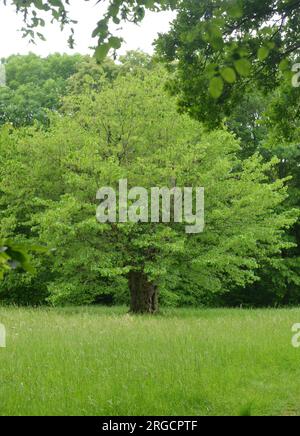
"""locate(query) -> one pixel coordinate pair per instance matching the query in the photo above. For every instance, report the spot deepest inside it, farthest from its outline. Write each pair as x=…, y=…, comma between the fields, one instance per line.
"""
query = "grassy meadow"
x=102, y=361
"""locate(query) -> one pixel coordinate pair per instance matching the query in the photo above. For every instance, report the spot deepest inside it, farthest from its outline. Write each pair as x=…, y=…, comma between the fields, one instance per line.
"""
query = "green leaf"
x=243, y=67
x=115, y=42
x=101, y=29
x=228, y=74
x=235, y=10
x=263, y=53
x=102, y=51
x=271, y=45
x=284, y=65
x=216, y=87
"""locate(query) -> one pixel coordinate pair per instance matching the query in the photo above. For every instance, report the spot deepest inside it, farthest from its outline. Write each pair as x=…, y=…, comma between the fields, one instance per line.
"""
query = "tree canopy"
x=70, y=124
x=131, y=129
x=34, y=86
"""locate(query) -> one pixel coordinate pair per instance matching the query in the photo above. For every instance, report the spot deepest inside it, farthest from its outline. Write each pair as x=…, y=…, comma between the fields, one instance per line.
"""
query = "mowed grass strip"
x=102, y=361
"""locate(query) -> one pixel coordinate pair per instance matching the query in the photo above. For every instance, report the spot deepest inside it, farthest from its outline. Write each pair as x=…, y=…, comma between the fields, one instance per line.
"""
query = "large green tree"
x=131, y=129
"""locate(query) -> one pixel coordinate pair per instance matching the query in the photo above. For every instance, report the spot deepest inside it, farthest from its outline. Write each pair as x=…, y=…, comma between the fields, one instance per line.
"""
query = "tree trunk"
x=144, y=294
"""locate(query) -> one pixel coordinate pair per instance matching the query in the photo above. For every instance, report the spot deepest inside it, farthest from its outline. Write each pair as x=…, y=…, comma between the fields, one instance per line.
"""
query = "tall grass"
x=102, y=361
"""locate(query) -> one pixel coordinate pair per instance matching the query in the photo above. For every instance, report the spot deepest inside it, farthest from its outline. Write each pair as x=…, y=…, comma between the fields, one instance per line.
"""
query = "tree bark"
x=144, y=294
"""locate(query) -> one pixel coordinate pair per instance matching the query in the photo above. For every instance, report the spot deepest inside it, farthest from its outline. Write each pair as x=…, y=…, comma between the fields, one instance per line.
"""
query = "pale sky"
x=87, y=15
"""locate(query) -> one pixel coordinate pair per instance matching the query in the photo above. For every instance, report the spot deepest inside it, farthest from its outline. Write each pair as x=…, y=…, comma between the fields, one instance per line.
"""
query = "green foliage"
x=91, y=77
x=130, y=129
x=283, y=126
x=34, y=86
x=13, y=256
x=228, y=48
x=27, y=288
x=246, y=121
x=271, y=124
